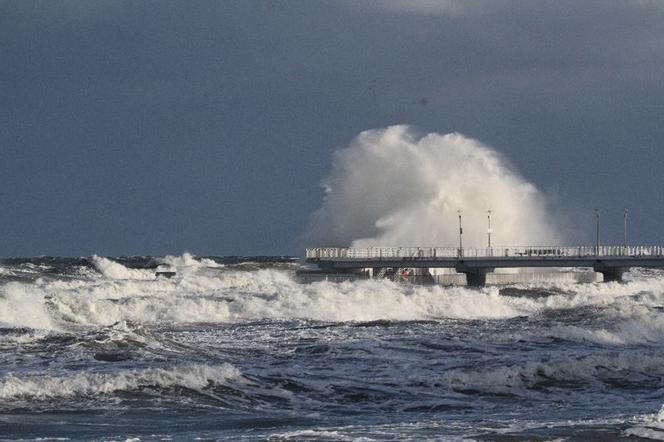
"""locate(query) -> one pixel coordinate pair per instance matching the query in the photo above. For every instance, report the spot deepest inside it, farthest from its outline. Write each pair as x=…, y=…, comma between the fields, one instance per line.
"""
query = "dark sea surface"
x=231, y=349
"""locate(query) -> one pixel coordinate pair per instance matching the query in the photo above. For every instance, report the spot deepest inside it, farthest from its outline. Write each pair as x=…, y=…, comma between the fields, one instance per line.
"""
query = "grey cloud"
x=70, y=9
x=162, y=126
x=439, y=7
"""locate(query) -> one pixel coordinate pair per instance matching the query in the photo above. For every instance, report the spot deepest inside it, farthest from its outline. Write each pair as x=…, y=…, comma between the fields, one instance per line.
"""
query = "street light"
x=460, y=234
x=488, y=230
x=597, y=232
x=625, y=233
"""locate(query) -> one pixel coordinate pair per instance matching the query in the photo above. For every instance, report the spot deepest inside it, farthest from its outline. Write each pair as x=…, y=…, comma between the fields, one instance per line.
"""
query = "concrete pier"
x=475, y=277
x=476, y=264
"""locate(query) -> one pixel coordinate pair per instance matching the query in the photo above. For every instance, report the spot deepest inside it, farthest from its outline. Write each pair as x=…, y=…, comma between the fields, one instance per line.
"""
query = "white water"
x=521, y=379
x=86, y=383
x=114, y=270
x=650, y=427
x=183, y=264
x=222, y=295
x=392, y=188
x=511, y=353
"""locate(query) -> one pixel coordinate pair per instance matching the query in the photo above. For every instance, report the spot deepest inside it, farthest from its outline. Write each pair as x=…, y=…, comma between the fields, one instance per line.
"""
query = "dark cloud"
x=153, y=127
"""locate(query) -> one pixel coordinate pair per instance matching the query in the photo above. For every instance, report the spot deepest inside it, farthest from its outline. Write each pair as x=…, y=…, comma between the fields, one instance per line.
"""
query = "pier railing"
x=379, y=253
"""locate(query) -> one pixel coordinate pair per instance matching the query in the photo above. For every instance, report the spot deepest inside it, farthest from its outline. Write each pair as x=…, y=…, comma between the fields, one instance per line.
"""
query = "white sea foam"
x=523, y=379
x=184, y=264
x=240, y=296
x=224, y=295
x=114, y=270
x=42, y=387
x=311, y=434
x=22, y=306
x=646, y=329
x=187, y=260
x=392, y=188
x=650, y=427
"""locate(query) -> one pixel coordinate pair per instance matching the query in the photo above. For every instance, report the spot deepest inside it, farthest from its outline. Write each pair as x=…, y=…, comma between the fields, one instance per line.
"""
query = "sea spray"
x=393, y=188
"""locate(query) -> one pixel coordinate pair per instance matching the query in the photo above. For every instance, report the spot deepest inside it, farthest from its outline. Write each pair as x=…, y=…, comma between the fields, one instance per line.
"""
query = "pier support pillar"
x=475, y=277
x=611, y=273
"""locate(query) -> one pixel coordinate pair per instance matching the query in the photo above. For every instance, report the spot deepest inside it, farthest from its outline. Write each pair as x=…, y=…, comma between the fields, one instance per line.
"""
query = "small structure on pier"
x=164, y=271
x=475, y=264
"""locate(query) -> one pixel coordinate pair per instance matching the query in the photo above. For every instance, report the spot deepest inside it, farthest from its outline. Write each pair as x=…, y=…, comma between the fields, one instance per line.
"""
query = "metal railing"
x=429, y=253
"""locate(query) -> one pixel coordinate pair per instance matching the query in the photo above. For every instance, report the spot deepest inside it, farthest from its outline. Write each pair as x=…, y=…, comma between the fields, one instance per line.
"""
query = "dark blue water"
x=232, y=350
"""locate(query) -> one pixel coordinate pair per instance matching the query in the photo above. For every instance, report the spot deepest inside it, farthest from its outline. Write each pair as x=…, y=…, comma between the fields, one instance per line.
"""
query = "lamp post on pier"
x=625, y=232
x=597, y=232
x=488, y=230
x=460, y=235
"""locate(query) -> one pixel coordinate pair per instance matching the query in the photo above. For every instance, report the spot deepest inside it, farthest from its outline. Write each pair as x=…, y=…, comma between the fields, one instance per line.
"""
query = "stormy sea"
x=237, y=349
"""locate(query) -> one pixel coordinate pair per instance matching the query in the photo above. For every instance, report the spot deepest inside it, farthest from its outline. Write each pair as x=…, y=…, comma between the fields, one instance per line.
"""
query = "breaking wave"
x=42, y=387
x=188, y=260
x=212, y=294
x=649, y=427
x=647, y=330
x=115, y=270
x=535, y=377
x=186, y=263
x=392, y=188
x=501, y=357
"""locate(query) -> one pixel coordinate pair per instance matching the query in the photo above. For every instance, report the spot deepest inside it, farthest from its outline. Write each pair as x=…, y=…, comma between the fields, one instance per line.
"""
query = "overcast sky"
x=157, y=127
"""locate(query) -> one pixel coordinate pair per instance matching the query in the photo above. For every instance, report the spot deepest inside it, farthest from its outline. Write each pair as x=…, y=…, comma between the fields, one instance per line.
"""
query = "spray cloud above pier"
x=393, y=187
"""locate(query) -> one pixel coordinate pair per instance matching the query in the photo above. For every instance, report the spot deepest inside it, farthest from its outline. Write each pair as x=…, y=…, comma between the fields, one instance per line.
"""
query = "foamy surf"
x=649, y=426
x=44, y=387
x=233, y=296
x=236, y=342
x=114, y=270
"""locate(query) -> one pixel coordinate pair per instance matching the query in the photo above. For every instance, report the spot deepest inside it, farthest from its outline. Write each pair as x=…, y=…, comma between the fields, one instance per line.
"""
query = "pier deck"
x=475, y=263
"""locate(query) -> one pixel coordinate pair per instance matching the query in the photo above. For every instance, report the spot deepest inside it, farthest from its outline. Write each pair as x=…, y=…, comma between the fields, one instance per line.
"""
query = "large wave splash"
x=392, y=188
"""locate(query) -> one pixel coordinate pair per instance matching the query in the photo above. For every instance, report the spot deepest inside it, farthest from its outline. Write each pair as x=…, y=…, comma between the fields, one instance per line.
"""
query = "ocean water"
x=98, y=349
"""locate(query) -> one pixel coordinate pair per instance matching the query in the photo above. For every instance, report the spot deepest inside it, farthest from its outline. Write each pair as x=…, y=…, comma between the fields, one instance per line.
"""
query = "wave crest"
x=230, y=296
x=41, y=387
